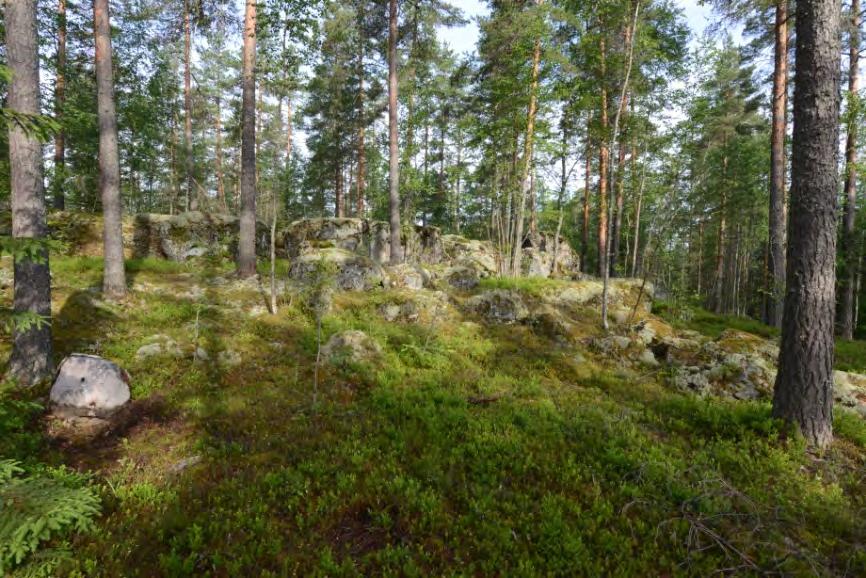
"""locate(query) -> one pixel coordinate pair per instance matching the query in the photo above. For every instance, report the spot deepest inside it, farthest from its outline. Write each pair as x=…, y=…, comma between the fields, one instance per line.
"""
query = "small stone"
x=184, y=464
x=648, y=358
x=201, y=354
x=148, y=351
x=390, y=311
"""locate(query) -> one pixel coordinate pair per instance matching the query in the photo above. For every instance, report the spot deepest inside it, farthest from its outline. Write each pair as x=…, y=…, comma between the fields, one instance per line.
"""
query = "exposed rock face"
x=361, y=236
x=352, y=345
x=538, y=257
x=192, y=234
x=480, y=256
x=159, y=345
x=408, y=276
x=353, y=272
x=499, y=306
x=89, y=386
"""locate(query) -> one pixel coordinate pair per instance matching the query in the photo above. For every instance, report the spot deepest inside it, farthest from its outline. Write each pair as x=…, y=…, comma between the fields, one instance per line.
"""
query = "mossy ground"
x=468, y=449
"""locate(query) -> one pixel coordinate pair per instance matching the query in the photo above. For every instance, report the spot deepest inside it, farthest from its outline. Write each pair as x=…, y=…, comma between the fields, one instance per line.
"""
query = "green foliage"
x=41, y=507
x=696, y=318
x=851, y=355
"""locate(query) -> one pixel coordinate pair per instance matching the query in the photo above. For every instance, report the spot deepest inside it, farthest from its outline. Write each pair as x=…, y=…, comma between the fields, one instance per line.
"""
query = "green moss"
x=466, y=449
x=533, y=286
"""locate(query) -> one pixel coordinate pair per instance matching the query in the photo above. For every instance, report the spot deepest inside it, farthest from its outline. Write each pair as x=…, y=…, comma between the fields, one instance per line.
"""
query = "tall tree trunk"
x=603, y=159
x=191, y=197
x=246, y=260
x=339, y=210
x=527, y=157
x=114, y=276
x=619, y=205
x=218, y=130
x=59, y=102
x=584, y=246
x=362, y=135
x=804, y=385
x=777, y=166
x=31, y=361
x=719, y=280
x=849, y=244
x=393, y=154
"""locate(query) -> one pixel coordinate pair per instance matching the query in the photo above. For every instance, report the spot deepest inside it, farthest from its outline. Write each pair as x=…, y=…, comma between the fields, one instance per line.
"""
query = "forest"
x=432, y=287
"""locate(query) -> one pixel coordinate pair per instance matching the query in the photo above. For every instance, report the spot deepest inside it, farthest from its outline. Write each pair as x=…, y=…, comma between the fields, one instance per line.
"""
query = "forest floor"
x=467, y=448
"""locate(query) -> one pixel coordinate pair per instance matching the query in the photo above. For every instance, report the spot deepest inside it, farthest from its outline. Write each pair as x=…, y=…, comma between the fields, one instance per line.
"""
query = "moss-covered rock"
x=353, y=272
x=191, y=234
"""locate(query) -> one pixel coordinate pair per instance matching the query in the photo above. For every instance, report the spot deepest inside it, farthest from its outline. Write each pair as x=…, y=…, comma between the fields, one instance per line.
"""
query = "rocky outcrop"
x=351, y=272
x=538, y=257
x=88, y=386
x=361, y=236
x=191, y=234
x=499, y=306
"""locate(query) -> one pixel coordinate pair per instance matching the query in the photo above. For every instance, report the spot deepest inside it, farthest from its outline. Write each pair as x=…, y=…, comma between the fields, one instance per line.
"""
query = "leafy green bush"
x=38, y=508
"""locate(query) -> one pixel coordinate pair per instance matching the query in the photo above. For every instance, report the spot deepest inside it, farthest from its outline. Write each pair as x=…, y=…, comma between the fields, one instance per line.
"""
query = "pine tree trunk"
x=616, y=234
x=584, y=247
x=603, y=159
x=362, y=134
x=114, y=276
x=218, y=130
x=31, y=360
x=777, y=166
x=527, y=158
x=191, y=197
x=246, y=260
x=848, y=238
x=59, y=102
x=804, y=386
x=393, y=154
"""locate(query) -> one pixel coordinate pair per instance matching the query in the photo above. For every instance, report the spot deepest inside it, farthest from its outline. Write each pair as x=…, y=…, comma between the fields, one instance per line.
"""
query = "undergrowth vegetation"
x=465, y=449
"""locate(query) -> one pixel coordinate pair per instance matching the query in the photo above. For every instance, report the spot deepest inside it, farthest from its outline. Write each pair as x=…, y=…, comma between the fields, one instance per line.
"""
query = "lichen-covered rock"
x=850, y=391
x=462, y=277
x=691, y=379
x=499, y=305
x=481, y=255
x=414, y=307
x=361, y=236
x=407, y=276
x=352, y=345
x=538, y=257
x=191, y=234
x=87, y=385
x=551, y=323
x=352, y=272
x=157, y=346
x=611, y=344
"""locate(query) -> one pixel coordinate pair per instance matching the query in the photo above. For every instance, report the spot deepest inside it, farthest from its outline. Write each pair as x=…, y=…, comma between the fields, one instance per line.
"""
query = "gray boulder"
x=89, y=386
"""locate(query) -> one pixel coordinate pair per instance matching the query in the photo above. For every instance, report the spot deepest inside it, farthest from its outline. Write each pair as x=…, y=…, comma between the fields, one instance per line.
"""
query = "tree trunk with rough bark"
x=218, y=130
x=777, y=167
x=528, y=143
x=804, y=385
x=114, y=276
x=603, y=159
x=31, y=360
x=849, y=238
x=393, y=154
x=246, y=260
